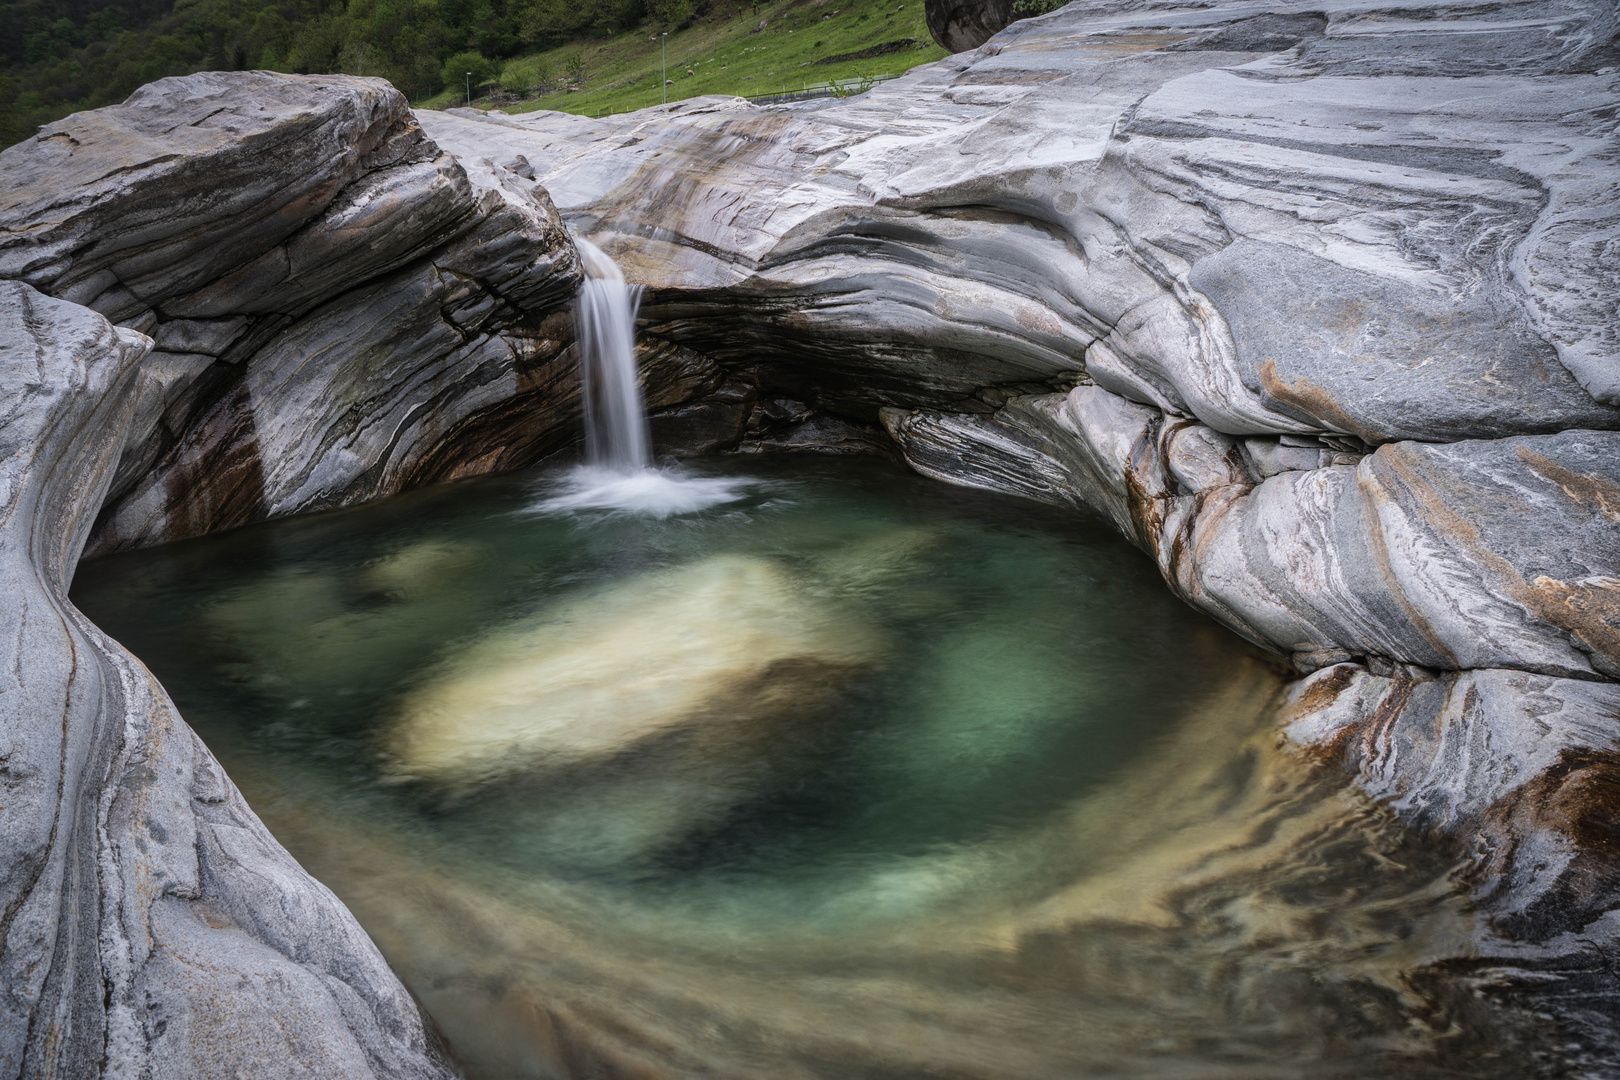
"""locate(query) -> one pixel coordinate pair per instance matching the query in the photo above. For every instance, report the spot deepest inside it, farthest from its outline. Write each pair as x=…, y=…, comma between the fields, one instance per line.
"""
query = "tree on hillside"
x=457, y=69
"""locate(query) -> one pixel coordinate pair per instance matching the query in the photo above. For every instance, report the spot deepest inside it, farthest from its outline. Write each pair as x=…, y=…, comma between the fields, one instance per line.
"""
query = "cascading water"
x=616, y=436
x=618, y=473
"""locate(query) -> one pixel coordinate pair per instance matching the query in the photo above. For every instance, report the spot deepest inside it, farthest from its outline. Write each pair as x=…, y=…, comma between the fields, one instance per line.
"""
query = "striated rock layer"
x=339, y=309
x=152, y=925
x=231, y=297
x=1317, y=304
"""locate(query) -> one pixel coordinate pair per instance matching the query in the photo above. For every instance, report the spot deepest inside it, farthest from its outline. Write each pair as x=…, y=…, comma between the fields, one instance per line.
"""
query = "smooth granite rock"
x=152, y=925
x=342, y=307
x=1362, y=220
x=339, y=310
x=1475, y=554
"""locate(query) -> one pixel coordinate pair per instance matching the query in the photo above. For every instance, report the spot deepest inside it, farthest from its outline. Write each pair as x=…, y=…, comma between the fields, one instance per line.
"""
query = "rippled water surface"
x=852, y=776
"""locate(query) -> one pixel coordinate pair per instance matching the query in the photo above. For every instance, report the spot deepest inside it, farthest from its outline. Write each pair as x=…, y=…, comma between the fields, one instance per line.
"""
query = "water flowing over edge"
x=618, y=473
x=616, y=435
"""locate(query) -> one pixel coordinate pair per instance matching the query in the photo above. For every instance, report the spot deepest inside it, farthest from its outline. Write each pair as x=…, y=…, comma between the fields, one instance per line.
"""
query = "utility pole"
x=663, y=66
x=469, y=88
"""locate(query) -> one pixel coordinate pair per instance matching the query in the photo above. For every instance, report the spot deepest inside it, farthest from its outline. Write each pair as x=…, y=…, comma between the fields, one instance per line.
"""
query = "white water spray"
x=618, y=473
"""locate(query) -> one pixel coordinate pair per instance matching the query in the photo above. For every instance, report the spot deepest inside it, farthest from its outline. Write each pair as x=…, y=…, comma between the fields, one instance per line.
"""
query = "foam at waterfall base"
x=656, y=493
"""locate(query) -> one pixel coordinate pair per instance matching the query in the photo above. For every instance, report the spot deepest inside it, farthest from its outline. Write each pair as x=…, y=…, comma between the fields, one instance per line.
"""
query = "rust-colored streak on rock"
x=1590, y=611
x=1578, y=797
x=1370, y=741
x=1588, y=489
x=1322, y=692
x=221, y=487
x=1310, y=402
x=1145, y=501
x=1373, y=491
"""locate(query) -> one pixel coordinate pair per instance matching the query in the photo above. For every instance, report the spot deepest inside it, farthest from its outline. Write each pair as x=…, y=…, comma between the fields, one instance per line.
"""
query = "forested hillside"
x=59, y=56
x=62, y=55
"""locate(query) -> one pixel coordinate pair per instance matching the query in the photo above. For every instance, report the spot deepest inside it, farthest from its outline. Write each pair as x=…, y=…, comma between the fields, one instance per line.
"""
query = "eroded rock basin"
x=852, y=776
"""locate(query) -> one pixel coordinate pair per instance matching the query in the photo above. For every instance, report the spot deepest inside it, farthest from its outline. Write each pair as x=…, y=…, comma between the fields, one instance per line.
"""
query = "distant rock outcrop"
x=960, y=25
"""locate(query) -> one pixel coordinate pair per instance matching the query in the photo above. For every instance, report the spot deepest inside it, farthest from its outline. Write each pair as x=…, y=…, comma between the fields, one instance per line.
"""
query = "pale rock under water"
x=710, y=651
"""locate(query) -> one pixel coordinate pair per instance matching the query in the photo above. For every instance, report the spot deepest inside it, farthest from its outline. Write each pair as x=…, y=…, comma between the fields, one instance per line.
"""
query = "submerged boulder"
x=699, y=652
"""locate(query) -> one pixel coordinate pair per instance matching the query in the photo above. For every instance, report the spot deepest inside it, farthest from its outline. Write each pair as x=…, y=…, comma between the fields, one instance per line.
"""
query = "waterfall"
x=618, y=473
x=616, y=435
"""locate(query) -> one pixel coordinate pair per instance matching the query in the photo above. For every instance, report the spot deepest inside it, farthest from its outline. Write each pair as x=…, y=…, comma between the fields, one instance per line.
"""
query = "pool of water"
x=849, y=774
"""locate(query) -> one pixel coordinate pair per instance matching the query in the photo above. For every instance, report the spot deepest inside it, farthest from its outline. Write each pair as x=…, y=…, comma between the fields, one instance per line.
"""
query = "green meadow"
x=733, y=49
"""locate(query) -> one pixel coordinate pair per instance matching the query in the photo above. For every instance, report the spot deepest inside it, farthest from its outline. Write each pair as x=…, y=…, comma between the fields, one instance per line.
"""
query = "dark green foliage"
x=59, y=56
x=672, y=14
x=551, y=22
x=466, y=66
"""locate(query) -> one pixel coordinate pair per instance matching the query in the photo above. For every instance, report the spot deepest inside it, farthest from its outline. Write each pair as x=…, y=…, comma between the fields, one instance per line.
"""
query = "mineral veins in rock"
x=341, y=308
x=152, y=926
x=1317, y=306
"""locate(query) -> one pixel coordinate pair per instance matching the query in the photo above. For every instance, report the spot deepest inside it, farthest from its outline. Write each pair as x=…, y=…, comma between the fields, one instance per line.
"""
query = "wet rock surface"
x=1310, y=304
x=231, y=297
x=153, y=927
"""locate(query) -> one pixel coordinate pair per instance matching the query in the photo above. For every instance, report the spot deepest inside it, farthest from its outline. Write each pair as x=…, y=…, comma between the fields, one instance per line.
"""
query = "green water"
x=853, y=775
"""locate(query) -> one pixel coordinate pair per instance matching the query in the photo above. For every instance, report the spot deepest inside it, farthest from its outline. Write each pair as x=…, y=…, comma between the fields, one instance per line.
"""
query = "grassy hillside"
x=59, y=56
x=736, y=49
